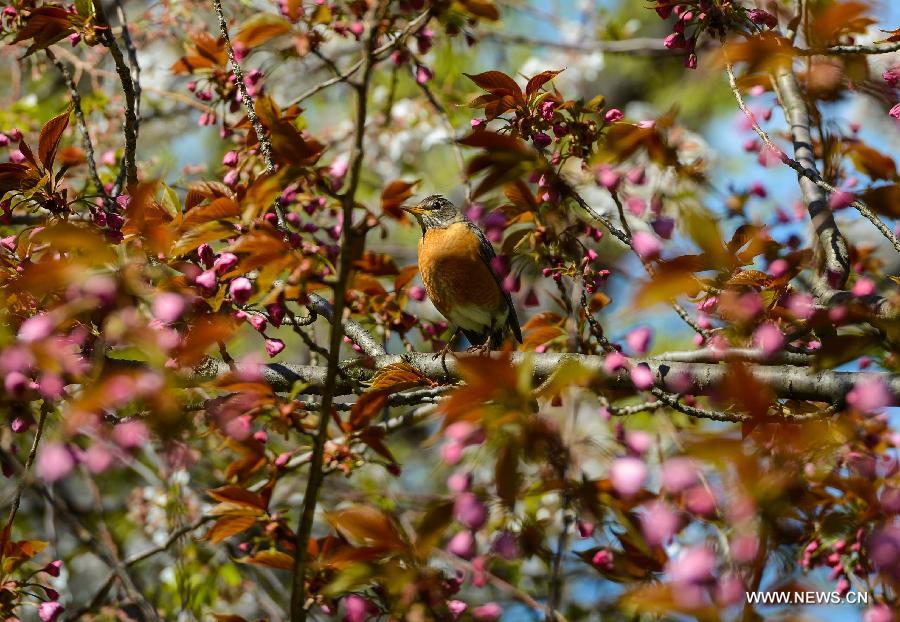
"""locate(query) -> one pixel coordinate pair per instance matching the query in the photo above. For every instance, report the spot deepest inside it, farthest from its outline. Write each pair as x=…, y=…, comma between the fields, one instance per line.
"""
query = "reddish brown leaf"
x=228, y=526
x=496, y=82
x=481, y=8
x=270, y=559
x=367, y=526
x=536, y=82
x=394, y=195
x=238, y=495
x=51, y=134
x=261, y=28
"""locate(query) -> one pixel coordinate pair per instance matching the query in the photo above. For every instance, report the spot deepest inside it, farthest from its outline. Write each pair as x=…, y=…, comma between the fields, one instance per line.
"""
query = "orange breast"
x=454, y=273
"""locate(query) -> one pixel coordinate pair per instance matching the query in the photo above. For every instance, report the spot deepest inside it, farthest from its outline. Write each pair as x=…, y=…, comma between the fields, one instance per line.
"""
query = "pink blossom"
x=462, y=545
x=636, y=206
x=604, y=559
x=730, y=590
x=639, y=339
x=763, y=18
x=487, y=612
x=638, y=441
x=224, y=263
x=779, y=268
x=646, y=245
x=97, y=458
x=642, y=376
x=459, y=481
x=679, y=474
x=878, y=613
x=35, y=328
x=744, y=548
x=451, y=453
x=53, y=568
x=241, y=289
x=694, y=566
x=863, y=287
x=417, y=293
x=168, y=307
x=585, y=528
x=230, y=158
x=663, y=227
x=16, y=383
x=869, y=394
x=636, y=175
x=258, y=322
x=131, y=434
x=628, y=475
x=608, y=178
x=613, y=115
x=469, y=511
x=840, y=200
x=506, y=546
x=892, y=76
x=801, y=306
x=614, y=362
x=894, y=112
x=274, y=346
x=456, y=608
x=699, y=500
x=423, y=74
x=207, y=281
x=659, y=523
x=358, y=609
x=54, y=462
x=768, y=339
x=50, y=611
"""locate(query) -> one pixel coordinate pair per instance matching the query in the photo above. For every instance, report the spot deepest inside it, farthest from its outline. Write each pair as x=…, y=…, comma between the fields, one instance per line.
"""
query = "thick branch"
x=832, y=247
x=353, y=329
x=873, y=48
x=785, y=381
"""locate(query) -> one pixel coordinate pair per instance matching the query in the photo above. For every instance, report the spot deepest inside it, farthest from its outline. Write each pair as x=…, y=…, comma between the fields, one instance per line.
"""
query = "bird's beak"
x=414, y=209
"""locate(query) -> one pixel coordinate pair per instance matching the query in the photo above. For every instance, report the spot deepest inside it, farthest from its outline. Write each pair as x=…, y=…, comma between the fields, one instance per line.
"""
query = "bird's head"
x=434, y=212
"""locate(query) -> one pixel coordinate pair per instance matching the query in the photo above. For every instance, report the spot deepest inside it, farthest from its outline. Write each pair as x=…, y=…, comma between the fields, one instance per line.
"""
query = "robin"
x=455, y=261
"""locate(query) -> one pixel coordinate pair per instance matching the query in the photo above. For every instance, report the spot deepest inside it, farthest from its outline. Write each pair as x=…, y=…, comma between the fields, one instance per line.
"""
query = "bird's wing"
x=486, y=251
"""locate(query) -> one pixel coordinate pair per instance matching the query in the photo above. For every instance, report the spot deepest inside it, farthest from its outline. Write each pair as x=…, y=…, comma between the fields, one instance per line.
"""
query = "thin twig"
x=80, y=121
x=23, y=480
x=265, y=146
x=128, y=171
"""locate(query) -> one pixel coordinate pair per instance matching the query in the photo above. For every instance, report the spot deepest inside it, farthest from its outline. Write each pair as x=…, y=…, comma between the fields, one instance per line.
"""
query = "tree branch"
x=128, y=172
x=265, y=146
x=348, y=248
x=873, y=48
x=80, y=121
x=785, y=381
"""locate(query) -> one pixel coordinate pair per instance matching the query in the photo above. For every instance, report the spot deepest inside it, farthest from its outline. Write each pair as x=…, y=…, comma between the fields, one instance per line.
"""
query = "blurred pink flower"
x=54, y=462
x=628, y=475
x=456, y=608
x=878, y=613
x=462, y=545
x=863, y=287
x=639, y=339
x=487, y=612
x=613, y=115
x=659, y=523
x=869, y=394
x=207, y=281
x=168, y=307
x=642, y=376
x=130, y=434
x=50, y=611
x=614, y=362
x=768, y=339
x=506, y=545
x=470, y=511
x=224, y=263
x=97, y=458
x=694, y=566
x=679, y=474
x=646, y=245
x=35, y=328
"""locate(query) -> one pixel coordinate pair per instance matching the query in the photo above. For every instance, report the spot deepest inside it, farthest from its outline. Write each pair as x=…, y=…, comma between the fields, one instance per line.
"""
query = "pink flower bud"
x=639, y=339
x=230, y=158
x=50, y=611
x=470, y=511
x=462, y=545
x=489, y=612
x=258, y=322
x=423, y=74
x=36, y=328
x=659, y=523
x=240, y=290
x=274, y=346
x=863, y=287
x=679, y=474
x=613, y=115
x=614, y=362
x=869, y=394
x=207, y=281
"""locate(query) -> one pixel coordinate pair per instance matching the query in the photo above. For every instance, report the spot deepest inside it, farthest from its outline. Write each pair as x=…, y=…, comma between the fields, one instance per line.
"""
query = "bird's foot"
x=443, y=352
x=482, y=350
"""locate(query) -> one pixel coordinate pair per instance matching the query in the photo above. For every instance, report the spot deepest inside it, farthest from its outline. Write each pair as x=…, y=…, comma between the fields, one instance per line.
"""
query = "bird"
x=456, y=262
